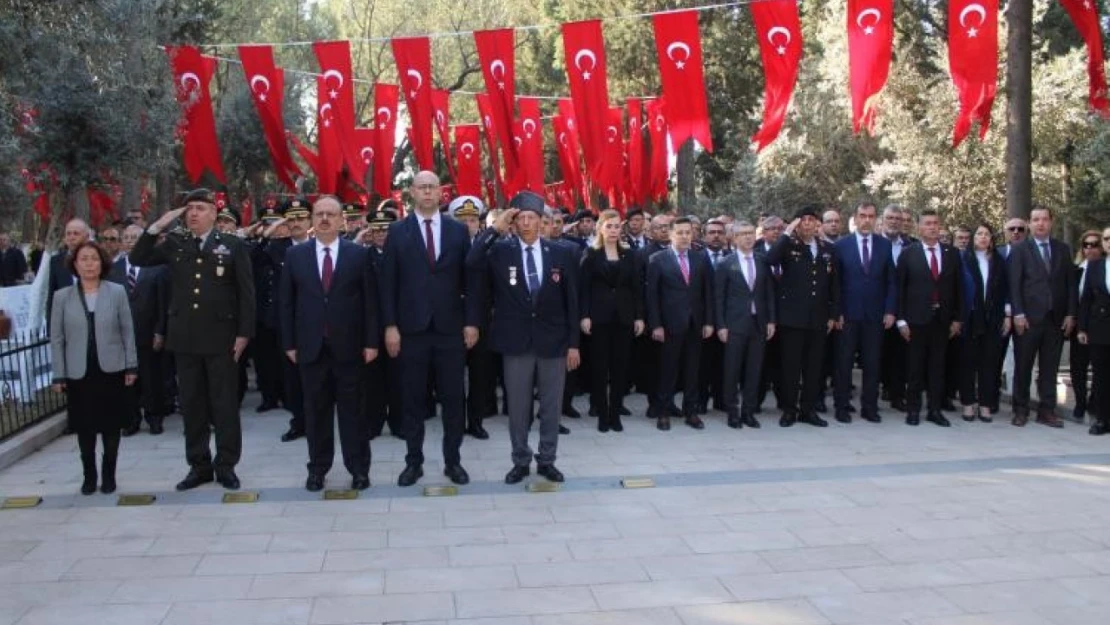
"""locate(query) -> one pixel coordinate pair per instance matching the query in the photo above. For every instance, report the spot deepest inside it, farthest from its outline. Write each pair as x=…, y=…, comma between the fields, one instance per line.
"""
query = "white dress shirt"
x=334, y=248
x=537, y=256
x=896, y=245
x=1082, y=276
x=436, y=228
x=984, y=270
x=929, y=255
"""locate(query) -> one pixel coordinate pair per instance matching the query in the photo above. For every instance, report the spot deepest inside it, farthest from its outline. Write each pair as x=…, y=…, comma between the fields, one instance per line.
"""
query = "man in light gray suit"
x=1043, y=299
x=744, y=302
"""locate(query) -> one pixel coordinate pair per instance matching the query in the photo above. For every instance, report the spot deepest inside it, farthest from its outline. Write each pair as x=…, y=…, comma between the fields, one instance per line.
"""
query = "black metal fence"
x=25, y=374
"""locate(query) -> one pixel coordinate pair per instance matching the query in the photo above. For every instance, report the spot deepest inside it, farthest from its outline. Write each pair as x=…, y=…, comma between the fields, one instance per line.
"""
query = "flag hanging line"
x=469, y=33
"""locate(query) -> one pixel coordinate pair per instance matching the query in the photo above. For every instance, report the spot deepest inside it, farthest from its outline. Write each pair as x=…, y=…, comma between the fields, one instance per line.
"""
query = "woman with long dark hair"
x=986, y=326
x=612, y=307
x=1094, y=332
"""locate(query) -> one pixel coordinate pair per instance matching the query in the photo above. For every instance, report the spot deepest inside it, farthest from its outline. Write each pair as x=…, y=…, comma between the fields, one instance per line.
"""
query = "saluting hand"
x=169, y=217
x=505, y=220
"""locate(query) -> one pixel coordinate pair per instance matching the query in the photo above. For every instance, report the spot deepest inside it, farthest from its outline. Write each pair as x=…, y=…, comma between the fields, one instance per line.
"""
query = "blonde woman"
x=612, y=308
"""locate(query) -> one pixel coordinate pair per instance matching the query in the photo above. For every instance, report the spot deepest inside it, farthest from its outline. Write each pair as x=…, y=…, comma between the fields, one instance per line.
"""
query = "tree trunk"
x=1019, y=108
x=79, y=201
x=132, y=196
x=687, y=198
x=164, y=193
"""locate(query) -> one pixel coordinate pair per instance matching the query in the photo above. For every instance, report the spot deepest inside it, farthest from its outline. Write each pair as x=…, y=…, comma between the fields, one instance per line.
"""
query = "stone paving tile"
x=530, y=601
x=784, y=612
x=245, y=612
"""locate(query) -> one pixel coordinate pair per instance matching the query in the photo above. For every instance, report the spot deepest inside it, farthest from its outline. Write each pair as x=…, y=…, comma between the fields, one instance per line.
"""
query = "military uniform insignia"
x=512, y=275
x=556, y=275
x=221, y=250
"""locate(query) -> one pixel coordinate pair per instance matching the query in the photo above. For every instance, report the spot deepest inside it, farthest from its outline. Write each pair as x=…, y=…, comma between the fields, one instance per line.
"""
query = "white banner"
x=25, y=366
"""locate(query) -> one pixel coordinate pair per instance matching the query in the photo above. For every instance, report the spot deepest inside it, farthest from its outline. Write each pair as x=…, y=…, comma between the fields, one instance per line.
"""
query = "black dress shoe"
x=1079, y=414
x=749, y=420
x=564, y=430
x=156, y=428
x=913, y=419
x=788, y=419
x=314, y=483
x=937, y=418
x=843, y=416
x=409, y=476
x=291, y=435
x=814, y=420
x=872, y=417
x=266, y=407
x=130, y=430
x=695, y=422
x=360, y=482
x=478, y=432
x=734, y=422
x=108, y=484
x=663, y=424
x=193, y=479
x=228, y=479
x=1098, y=428
x=88, y=487
x=550, y=472
x=456, y=474
x=569, y=411
x=624, y=412
x=516, y=474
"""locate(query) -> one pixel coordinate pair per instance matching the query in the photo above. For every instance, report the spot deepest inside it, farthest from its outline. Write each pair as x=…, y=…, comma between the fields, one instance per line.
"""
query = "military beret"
x=466, y=206
x=229, y=213
x=527, y=201
x=296, y=207
x=201, y=195
x=580, y=215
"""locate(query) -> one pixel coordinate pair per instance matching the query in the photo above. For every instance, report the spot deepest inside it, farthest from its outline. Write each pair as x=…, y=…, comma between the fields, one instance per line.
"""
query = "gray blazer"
x=69, y=332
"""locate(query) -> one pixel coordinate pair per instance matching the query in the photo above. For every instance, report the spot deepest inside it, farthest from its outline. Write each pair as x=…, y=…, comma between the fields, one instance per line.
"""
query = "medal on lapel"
x=512, y=275
x=219, y=271
x=556, y=275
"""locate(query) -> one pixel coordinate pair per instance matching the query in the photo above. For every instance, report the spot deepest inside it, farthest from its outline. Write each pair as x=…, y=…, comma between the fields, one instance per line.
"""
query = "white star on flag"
x=972, y=33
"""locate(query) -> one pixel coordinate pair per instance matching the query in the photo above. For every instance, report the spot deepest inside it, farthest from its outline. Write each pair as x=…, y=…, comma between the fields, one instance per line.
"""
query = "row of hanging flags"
x=601, y=148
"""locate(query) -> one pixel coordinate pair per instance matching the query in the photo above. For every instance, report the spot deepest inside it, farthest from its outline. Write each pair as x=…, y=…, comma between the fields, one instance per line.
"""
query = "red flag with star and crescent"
x=386, y=99
x=678, y=46
x=584, y=47
x=201, y=150
x=489, y=129
x=267, y=88
x=366, y=144
x=566, y=147
x=972, y=60
x=441, y=116
x=657, y=168
x=635, y=192
x=414, y=67
x=870, y=45
x=498, y=60
x=779, y=30
x=1084, y=15
x=468, y=159
x=338, y=91
x=329, y=154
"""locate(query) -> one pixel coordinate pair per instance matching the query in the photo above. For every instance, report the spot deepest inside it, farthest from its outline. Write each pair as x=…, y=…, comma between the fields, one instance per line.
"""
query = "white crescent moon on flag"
x=440, y=119
x=419, y=79
x=186, y=77
x=259, y=78
x=326, y=108
x=464, y=150
x=517, y=141
x=864, y=13
x=385, y=111
x=367, y=157
x=336, y=74
x=563, y=139
x=973, y=8
x=678, y=45
x=529, y=122
x=493, y=69
x=779, y=30
x=587, y=54
x=612, y=132
x=487, y=121
x=660, y=123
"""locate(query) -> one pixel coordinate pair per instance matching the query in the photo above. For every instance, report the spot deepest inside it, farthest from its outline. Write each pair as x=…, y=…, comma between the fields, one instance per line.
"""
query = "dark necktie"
x=684, y=266
x=329, y=270
x=132, y=279
x=866, y=257
x=431, y=242
x=533, y=273
x=934, y=268
x=1046, y=255
x=199, y=242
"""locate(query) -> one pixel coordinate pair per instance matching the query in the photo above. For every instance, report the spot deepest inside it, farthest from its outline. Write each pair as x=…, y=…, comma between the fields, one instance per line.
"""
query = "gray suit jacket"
x=733, y=299
x=69, y=332
x=1038, y=292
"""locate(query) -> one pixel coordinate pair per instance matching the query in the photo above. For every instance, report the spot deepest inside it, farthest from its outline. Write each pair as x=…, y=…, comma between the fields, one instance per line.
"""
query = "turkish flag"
x=328, y=151
x=246, y=210
x=573, y=173
x=566, y=147
x=1084, y=15
x=367, y=145
x=612, y=168
x=973, y=62
x=339, y=88
x=584, y=48
x=267, y=86
x=386, y=99
x=310, y=158
x=657, y=169
x=36, y=190
x=485, y=110
x=497, y=57
x=636, y=192
x=414, y=66
x=678, y=46
x=870, y=44
x=468, y=159
x=528, y=137
x=441, y=115
x=779, y=30
x=201, y=150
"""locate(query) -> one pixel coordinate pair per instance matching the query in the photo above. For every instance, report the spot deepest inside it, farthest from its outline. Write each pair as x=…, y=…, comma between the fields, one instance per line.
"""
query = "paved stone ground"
x=852, y=525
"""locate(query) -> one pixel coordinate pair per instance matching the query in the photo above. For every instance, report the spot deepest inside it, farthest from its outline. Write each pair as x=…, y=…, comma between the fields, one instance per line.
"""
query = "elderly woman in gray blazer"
x=92, y=344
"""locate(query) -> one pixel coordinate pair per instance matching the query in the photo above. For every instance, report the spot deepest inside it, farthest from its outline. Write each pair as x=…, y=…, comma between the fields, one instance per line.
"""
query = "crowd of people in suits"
x=388, y=319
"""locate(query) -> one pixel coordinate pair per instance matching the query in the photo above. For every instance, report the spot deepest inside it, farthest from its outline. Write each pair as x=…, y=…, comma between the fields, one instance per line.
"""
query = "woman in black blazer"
x=1094, y=332
x=1090, y=249
x=612, y=305
x=985, y=328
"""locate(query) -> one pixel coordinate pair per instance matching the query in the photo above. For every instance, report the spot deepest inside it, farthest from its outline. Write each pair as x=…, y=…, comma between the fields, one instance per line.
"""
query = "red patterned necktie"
x=685, y=266
x=431, y=242
x=934, y=268
x=325, y=279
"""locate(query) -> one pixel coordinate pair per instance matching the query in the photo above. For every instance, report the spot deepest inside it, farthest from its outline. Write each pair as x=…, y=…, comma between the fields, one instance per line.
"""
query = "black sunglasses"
x=1016, y=229
x=109, y=238
x=1092, y=244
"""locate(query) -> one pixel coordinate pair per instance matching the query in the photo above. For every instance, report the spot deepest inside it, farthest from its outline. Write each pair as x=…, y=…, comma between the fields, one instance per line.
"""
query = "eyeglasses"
x=1016, y=228
x=113, y=239
x=1092, y=244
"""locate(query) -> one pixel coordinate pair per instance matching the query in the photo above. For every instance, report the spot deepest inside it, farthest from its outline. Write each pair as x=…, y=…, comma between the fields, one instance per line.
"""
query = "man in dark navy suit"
x=76, y=233
x=428, y=326
x=329, y=328
x=868, y=306
x=744, y=300
x=679, y=303
x=533, y=284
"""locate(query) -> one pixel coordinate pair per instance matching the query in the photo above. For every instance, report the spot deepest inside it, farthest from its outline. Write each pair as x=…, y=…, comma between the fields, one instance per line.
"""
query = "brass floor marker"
x=440, y=491
x=340, y=495
x=16, y=503
x=135, y=500
x=638, y=482
x=245, y=497
x=543, y=487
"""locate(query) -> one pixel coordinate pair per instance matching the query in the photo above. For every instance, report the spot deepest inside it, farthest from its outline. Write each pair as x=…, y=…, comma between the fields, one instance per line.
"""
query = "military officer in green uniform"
x=211, y=320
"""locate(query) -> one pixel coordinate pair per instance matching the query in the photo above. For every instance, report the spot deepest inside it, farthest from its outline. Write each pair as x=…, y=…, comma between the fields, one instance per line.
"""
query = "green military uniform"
x=212, y=302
